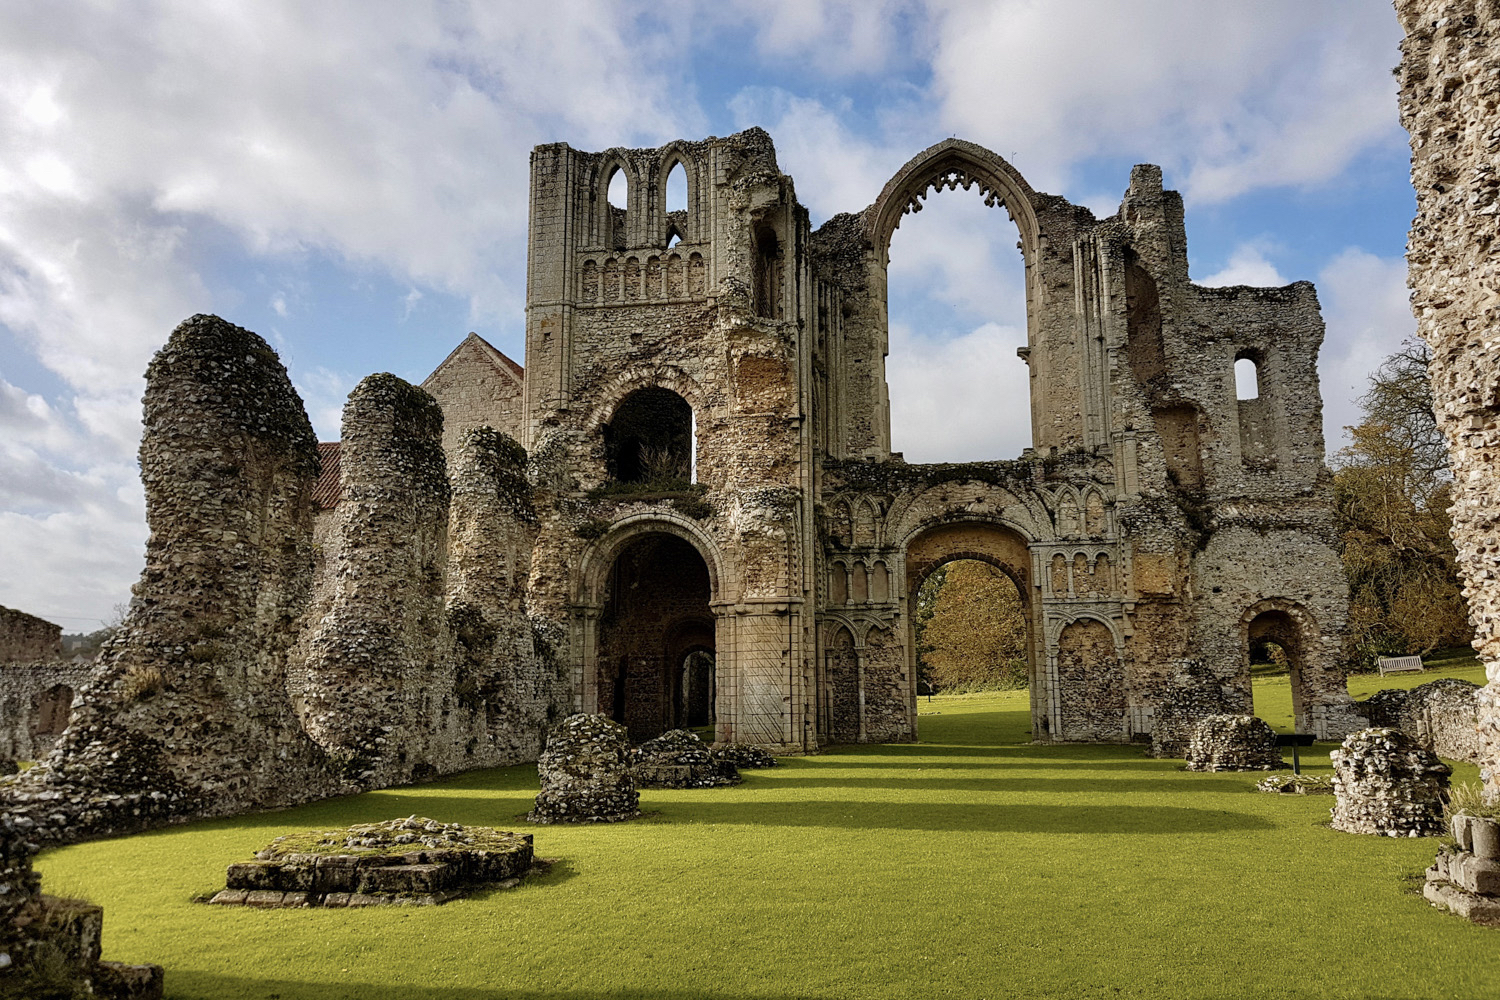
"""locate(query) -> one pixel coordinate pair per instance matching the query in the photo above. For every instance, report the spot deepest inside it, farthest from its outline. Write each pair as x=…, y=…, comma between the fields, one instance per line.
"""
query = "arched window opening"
x=677, y=189
x=619, y=189
x=618, y=202
x=651, y=440
x=1246, y=379
x=767, y=273
x=673, y=237
x=956, y=298
x=656, y=638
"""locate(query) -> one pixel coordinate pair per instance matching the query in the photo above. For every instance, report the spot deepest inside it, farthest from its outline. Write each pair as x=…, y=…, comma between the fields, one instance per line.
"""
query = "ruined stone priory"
x=724, y=534
x=684, y=511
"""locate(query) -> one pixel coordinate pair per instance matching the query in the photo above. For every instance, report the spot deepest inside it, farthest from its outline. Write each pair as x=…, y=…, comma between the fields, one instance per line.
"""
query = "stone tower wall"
x=186, y=714
x=1450, y=83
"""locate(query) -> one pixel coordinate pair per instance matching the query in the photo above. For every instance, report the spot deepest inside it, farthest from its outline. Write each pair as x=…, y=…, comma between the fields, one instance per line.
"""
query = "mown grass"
x=970, y=865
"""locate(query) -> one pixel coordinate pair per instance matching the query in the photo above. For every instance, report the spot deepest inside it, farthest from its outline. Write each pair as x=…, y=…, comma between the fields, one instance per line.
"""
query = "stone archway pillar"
x=760, y=673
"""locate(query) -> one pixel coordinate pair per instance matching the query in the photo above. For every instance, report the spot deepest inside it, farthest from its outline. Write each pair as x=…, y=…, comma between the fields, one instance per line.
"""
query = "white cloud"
x=1367, y=313
x=1247, y=265
x=389, y=135
x=1231, y=96
x=966, y=398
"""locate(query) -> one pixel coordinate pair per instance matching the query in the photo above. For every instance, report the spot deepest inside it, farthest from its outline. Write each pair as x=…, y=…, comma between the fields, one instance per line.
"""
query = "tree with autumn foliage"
x=971, y=630
x=1392, y=487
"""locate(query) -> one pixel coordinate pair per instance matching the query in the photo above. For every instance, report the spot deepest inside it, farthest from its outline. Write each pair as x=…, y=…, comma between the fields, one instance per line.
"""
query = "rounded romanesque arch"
x=1278, y=623
x=599, y=556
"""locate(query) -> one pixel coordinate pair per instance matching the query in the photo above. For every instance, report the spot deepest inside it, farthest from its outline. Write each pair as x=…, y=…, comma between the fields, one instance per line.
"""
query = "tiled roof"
x=329, y=489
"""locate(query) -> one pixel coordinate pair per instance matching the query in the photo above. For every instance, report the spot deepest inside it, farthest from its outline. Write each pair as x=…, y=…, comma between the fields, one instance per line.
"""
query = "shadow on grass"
x=999, y=783
x=950, y=817
x=185, y=984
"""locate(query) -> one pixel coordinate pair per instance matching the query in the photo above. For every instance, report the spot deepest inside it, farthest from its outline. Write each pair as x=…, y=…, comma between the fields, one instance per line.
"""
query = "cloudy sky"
x=349, y=180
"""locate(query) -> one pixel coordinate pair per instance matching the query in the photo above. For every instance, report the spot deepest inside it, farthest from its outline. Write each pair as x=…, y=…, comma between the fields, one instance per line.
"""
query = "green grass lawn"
x=970, y=865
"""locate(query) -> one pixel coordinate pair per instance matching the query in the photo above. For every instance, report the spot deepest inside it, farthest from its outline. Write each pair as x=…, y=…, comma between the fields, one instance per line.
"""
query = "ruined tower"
x=706, y=410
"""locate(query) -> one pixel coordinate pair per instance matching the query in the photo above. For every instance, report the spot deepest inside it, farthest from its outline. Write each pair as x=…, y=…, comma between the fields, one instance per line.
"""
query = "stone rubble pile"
x=744, y=756
x=679, y=759
x=1465, y=878
x=49, y=947
x=585, y=774
x=1233, y=743
x=1443, y=715
x=1385, y=782
x=403, y=861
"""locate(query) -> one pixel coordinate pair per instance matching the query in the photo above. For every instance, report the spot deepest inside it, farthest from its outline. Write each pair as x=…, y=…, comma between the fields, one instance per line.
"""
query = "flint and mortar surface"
x=416, y=861
x=585, y=774
x=1386, y=782
x=1233, y=743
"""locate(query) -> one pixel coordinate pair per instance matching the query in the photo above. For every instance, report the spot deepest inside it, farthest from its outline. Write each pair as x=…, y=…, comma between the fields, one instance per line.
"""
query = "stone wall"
x=186, y=713
x=1450, y=82
x=51, y=946
x=36, y=701
x=26, y=637
x=1442, y=715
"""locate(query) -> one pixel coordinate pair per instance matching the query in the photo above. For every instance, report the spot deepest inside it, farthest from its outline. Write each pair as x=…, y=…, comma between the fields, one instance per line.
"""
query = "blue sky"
x=348, y=179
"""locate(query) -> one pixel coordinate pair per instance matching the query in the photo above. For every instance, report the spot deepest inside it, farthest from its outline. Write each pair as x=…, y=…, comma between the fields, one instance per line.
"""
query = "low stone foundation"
x=1233, y=743
x=49, y=947
x=1442, y=714
x=405, y=861
x=1385, y=782
x=679, y=759
x=585, y=774
x=1465, y=878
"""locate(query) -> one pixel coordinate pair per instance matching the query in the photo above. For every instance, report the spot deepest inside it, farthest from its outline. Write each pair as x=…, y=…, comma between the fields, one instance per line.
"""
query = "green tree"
x=971, y=628
x=1392, y=487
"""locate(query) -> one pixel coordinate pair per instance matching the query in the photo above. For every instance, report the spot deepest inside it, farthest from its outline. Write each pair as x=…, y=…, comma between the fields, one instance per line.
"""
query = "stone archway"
x=655, y=611
x=998, y=545
x=1287, y=626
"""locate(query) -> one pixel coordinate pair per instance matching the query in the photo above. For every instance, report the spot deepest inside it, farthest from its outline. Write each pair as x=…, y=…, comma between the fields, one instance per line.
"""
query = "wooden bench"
x=1399, y=665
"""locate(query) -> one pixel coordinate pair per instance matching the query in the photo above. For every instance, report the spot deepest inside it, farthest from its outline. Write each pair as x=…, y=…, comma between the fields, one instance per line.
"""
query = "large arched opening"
x=957, y=295
x=1005, y=552
x=656, y=637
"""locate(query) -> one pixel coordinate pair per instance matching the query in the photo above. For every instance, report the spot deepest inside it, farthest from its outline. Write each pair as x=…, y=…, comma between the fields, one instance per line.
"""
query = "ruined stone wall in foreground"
x=1450, y=87
x=186, y=714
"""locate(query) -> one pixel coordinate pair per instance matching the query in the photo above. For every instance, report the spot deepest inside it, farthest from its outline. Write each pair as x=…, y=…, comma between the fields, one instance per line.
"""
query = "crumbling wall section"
x=187, y=714
x=36, y=701
x=25, y=638
x=379, y=664
x=1450, y=82
x=499, y=676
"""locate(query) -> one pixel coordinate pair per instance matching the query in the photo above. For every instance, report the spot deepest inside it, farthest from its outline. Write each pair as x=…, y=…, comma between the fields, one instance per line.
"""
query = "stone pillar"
x=1385, y=782
x=585, y=774
x=492, y=527
x=187, y=712
x=380, y=662
x=1233, y=743
x=1450, y=80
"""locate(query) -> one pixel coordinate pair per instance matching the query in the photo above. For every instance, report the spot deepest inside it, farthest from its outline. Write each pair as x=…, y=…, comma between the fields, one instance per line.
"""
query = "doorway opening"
x=656, y=639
